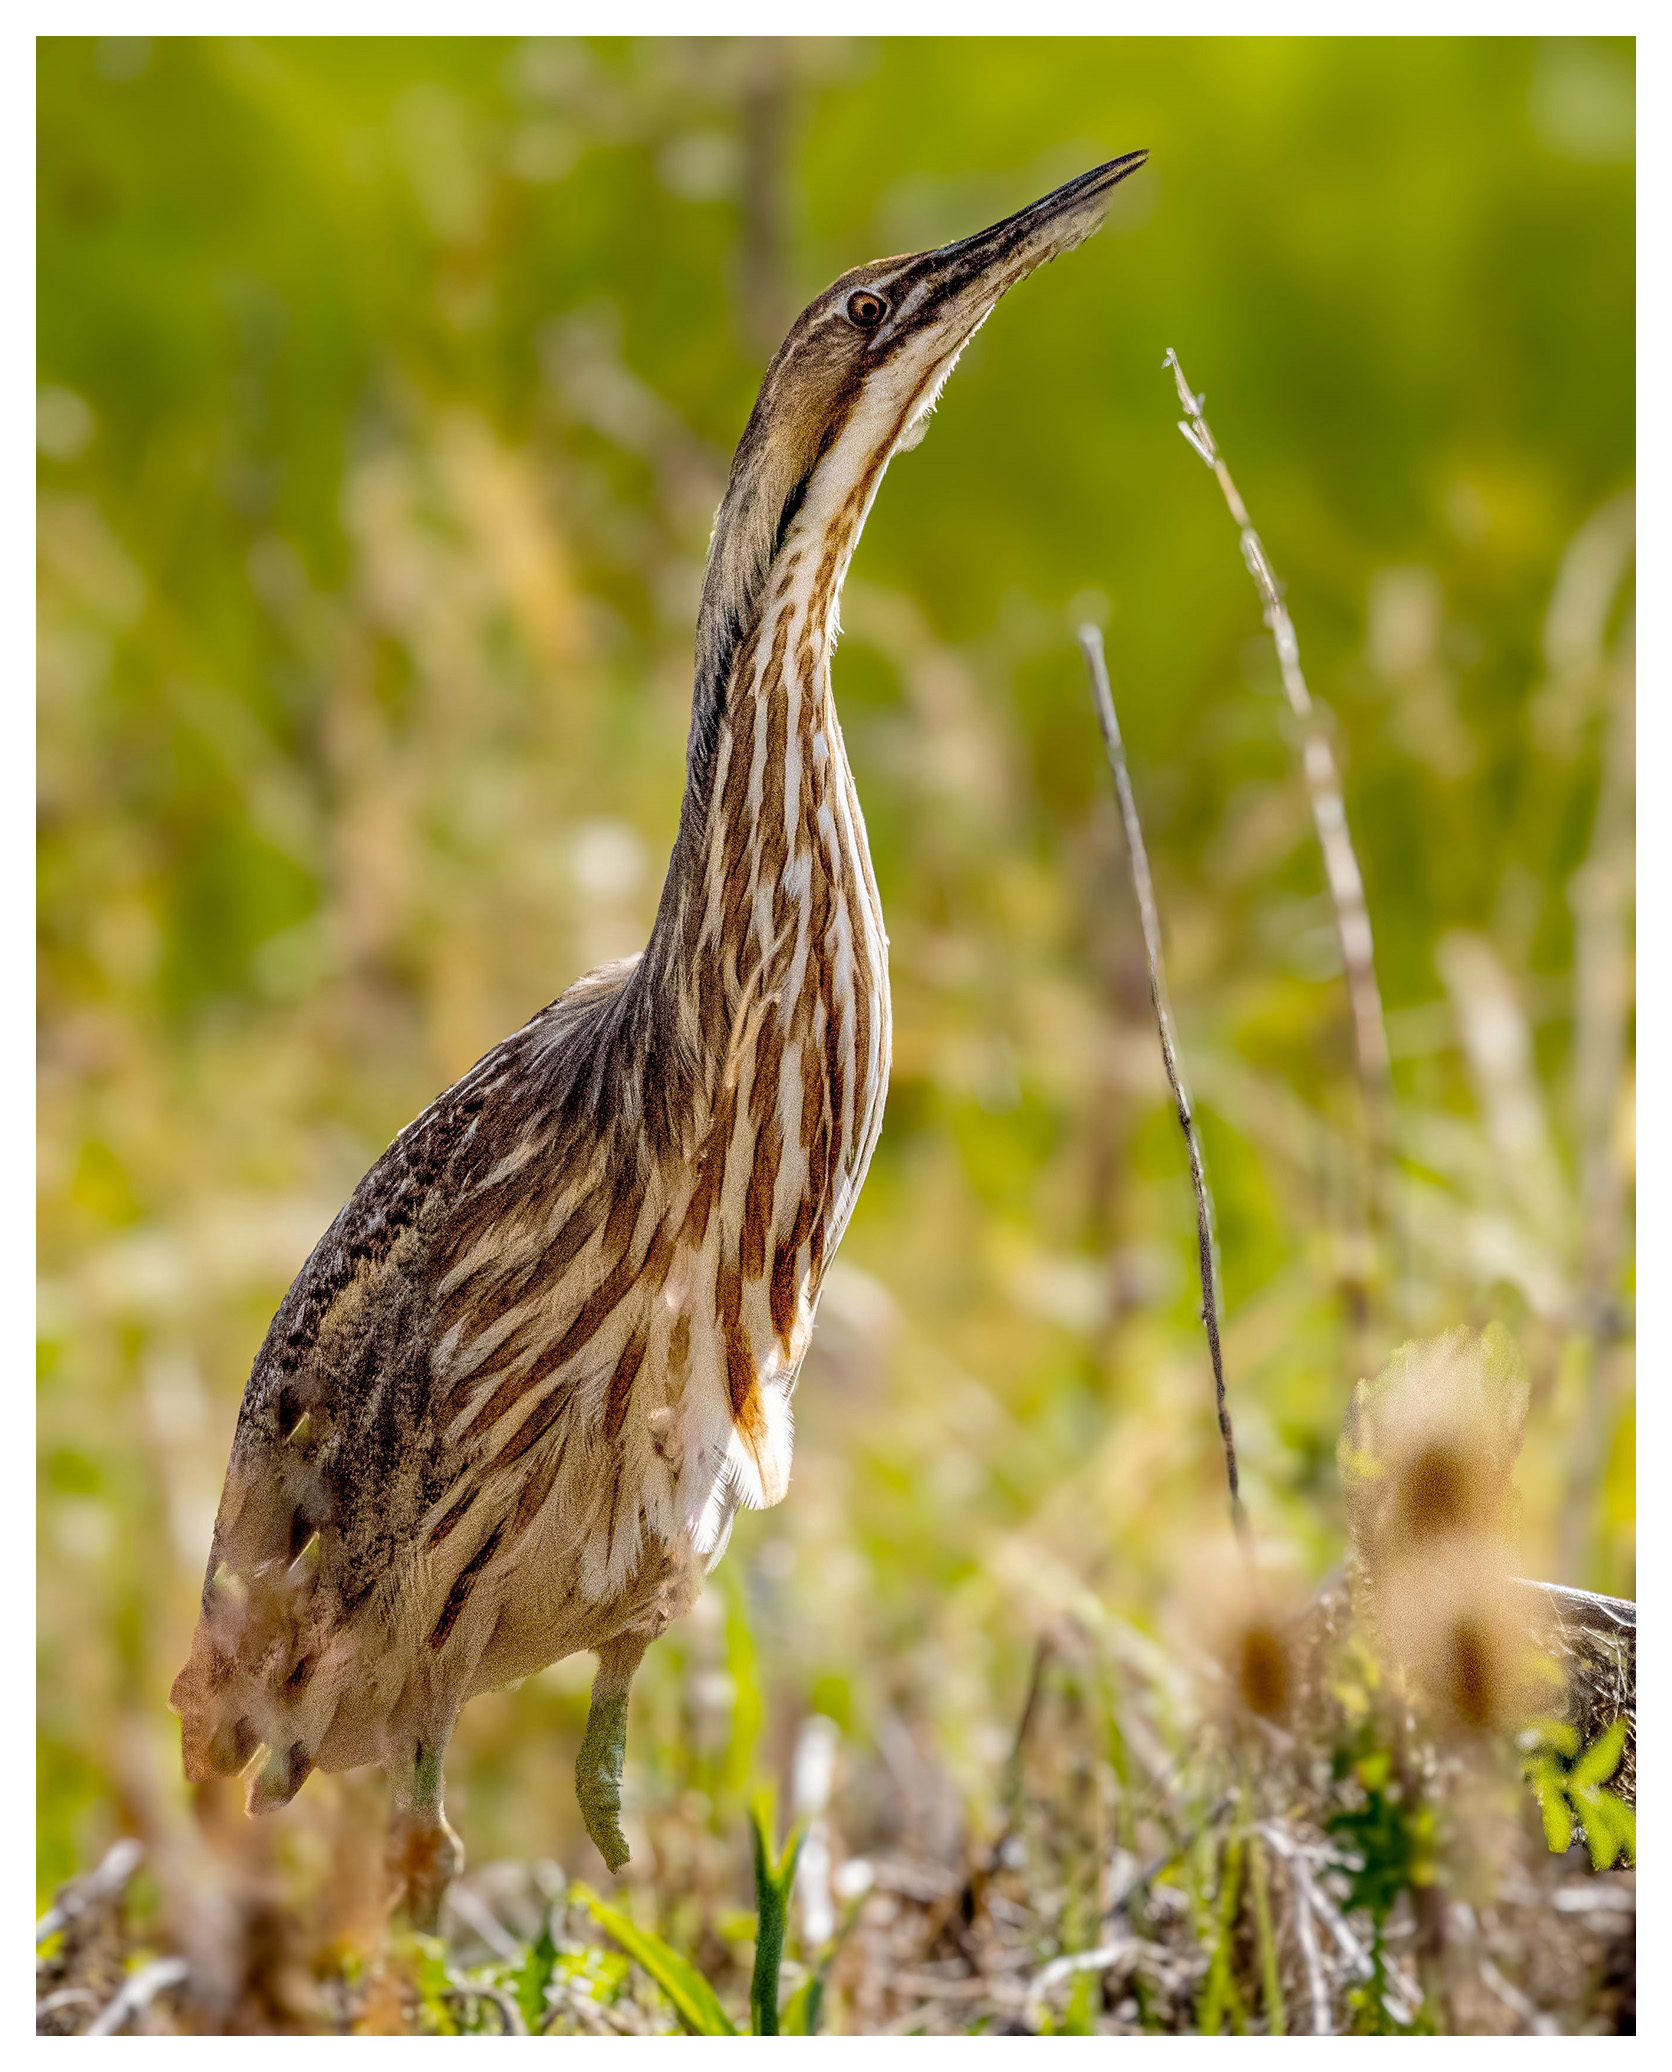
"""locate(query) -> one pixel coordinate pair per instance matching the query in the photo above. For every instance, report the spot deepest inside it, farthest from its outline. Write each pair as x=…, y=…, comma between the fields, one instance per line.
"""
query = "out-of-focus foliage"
x=387, y=390
x=1572, y=1793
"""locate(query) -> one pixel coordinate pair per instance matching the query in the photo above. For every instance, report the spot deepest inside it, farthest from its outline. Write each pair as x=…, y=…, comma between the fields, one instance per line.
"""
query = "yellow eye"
x=866, y=310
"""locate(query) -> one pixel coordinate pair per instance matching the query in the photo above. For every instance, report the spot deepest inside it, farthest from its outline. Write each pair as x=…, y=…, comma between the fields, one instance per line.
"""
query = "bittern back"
x=513, y=1401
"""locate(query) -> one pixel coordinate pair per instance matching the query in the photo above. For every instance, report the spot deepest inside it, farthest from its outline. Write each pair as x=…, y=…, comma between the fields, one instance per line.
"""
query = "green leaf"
x=1602, y=1758
x=694, y=1999
x=806, y=2005
x=1558, y=1820
x=1625, y=1821
x=1557, y=1734
x=1077, y=2015
x=1610, y=1826
x=603, y=1972
x=1375, y=1769
x=535, y=1976
x=427, y=1957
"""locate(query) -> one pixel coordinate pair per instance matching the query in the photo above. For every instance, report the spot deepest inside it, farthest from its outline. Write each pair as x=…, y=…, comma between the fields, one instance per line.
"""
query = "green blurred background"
x=386, y=393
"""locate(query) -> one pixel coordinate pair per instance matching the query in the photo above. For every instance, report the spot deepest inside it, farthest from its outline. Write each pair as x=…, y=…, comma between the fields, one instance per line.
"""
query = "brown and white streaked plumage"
x=513, y=1401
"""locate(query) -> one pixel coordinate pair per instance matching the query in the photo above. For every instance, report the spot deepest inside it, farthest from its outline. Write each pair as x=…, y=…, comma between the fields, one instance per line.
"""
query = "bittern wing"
x=462, y=1330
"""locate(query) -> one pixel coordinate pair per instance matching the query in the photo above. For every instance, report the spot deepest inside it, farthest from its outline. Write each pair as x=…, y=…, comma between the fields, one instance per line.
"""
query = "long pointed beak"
x=969, y=277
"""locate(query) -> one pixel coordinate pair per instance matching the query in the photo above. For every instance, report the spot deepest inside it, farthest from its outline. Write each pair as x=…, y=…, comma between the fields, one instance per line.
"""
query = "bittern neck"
x=770, y=883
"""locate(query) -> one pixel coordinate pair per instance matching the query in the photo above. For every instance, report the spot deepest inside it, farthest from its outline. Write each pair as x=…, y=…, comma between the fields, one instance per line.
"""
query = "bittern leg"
x=604, y=1750
x=425, y=1855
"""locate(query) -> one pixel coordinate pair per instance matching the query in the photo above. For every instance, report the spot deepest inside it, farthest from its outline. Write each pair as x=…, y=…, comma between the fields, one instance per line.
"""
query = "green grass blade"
x=535, y=1976
x=1271, y=1983
x=772, y=1892
x=806, y=2005
x=694, y=1999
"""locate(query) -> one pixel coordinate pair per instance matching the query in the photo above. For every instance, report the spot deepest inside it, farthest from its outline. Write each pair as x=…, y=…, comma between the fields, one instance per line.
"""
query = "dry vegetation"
x=1262, y=1842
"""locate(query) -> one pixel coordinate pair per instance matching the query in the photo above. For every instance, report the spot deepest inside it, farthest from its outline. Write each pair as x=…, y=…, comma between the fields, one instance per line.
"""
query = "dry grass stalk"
x=1311, y=1896
x=138, y=1991
x=83, y=1977
x=99, y=1888
x=1091, y=644
x=1323, y=783
x=1306, y=1935
x=954, y=1939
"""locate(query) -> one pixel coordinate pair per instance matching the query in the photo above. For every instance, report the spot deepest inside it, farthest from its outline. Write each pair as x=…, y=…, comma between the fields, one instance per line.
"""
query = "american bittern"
x=512, y=1402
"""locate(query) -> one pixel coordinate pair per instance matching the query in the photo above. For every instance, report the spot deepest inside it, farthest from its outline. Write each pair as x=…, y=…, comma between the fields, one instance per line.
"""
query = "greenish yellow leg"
x=604, y=1750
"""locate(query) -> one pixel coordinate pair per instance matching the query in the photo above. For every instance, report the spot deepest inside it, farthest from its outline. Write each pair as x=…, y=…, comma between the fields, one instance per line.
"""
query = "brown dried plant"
x=1427, y=1459
x=1243, y=1611
x=1428, y=1448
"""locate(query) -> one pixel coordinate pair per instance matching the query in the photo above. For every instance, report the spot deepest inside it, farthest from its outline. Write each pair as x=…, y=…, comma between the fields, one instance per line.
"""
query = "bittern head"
x=853, y=384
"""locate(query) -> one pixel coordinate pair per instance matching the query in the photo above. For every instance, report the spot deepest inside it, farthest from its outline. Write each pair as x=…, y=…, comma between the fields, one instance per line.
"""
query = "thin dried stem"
x=1306, y=1934
x=1091, y=645
x=1323, y=783
x=1137, y=1888
x=139, y=1989
x=98, y=1888
x=511, y=2022
x=1311, y=1894
x=1271, y=1984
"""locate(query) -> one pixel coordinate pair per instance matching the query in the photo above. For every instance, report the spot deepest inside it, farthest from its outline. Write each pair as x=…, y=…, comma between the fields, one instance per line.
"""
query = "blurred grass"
x=387, y=388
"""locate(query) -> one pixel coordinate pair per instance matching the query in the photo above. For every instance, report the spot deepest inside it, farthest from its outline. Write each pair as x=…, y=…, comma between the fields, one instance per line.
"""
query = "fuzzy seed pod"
x=1427, y=1459
x=1465, y=1632
x=1243, y=1616
x=1428, y=1449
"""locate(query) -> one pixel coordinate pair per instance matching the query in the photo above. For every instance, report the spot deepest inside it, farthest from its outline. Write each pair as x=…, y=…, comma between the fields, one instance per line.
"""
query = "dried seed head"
x=1439, y=1490
x=1473, y=1671
x=1242, y=1617
x=1455, y=1620
x=1264, y=1674
x=1428, y=1448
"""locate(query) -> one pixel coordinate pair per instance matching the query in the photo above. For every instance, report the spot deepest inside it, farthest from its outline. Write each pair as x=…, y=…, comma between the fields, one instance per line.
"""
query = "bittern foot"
x=598, y=1774
x=424, y=1858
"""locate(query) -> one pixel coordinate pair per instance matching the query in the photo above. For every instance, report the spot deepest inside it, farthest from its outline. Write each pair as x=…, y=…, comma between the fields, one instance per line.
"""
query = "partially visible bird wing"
x=351, y=1460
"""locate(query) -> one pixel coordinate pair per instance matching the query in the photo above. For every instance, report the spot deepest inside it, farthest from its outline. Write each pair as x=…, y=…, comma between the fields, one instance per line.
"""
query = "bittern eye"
x=866, y=310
